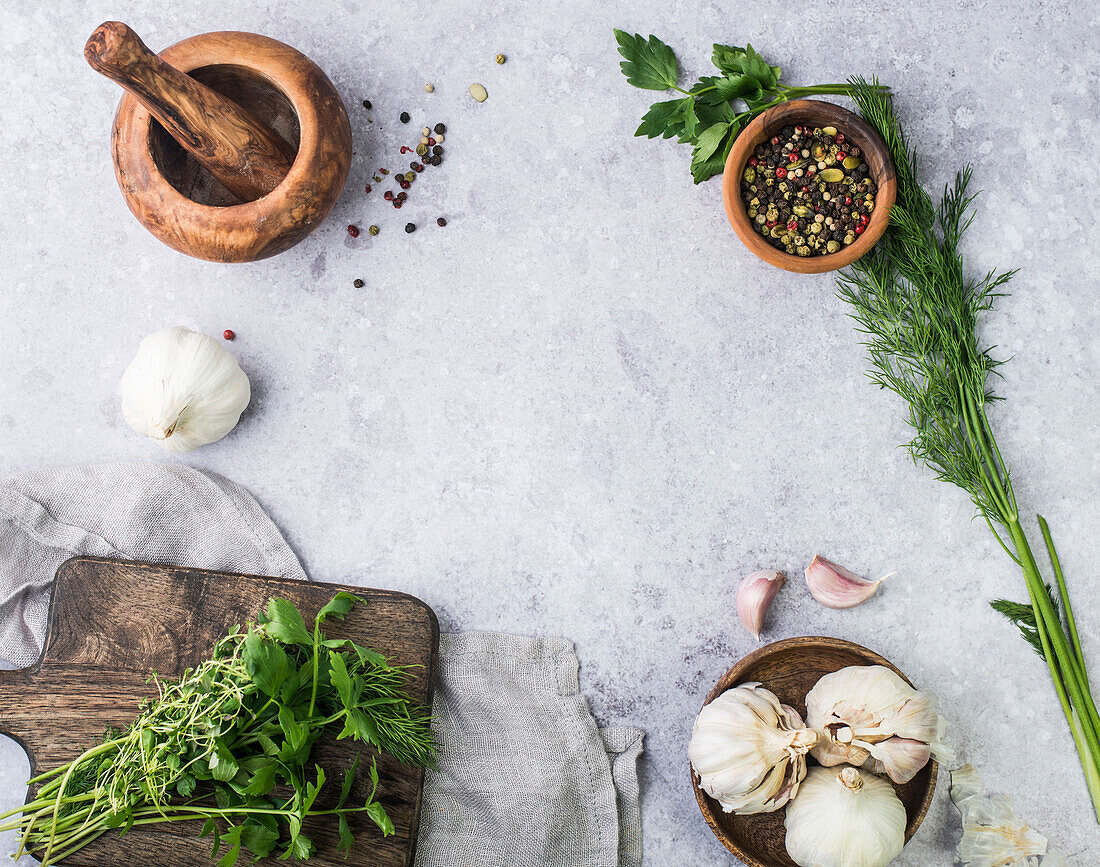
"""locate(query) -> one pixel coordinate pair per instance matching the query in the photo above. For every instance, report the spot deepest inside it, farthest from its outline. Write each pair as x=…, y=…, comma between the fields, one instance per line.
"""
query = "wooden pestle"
x=249, y=158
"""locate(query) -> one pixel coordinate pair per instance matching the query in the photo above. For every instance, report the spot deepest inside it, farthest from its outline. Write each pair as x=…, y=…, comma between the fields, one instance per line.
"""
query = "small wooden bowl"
x=183, y=205
x=810, y=112
x=790, y=668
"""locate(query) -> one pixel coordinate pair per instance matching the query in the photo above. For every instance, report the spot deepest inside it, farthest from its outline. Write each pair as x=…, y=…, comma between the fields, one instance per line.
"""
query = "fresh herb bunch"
x=705, y=117
x=229, y=744
x=920, y=312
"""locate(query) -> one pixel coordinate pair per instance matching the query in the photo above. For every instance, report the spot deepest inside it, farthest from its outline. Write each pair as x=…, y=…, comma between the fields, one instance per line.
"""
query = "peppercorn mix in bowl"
x=821, y=180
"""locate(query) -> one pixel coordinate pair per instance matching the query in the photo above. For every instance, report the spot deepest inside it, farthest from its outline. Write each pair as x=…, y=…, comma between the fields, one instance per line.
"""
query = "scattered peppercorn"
x=417, y=167
x=372, y=231
x=388, y=195
x=410, y=228
x=402, y=196
x=500, y=58
x=441, y=222
x=384, y=171
x=229, y=334
x=404, y=117
x=428, y=88
x=440, y=128
x=421, y=150
x=367, y=105
x=403, y=184
x=807, y=191
x=436, y=160
x=353, y=230
x=410, y=176
x=368, y=188
x=438, y=150
x=357, y=283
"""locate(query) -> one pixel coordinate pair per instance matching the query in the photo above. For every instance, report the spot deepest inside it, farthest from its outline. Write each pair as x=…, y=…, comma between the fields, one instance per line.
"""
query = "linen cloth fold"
x=525, y=779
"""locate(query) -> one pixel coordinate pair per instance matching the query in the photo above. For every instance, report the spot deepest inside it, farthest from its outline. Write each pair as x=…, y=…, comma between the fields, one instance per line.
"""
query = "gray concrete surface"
x=582, y=408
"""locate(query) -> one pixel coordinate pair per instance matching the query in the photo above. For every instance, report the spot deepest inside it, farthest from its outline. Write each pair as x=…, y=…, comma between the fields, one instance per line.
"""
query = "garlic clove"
x=754, y=595
x=836, y=587
x=898, y=758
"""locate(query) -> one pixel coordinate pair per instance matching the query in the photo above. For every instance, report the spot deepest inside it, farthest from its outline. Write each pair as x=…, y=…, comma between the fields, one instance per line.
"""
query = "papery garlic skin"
x=842, y=818
x=183, y=390
x=836, y=587
x=992, y=833
x=754, y=595
x=867, y=715
x=749, y=750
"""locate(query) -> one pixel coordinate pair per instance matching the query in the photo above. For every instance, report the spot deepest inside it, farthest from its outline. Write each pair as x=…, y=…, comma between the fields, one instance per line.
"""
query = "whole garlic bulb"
x=867, y=715
x=183, y=389
x=749, y=750
x=842, y=818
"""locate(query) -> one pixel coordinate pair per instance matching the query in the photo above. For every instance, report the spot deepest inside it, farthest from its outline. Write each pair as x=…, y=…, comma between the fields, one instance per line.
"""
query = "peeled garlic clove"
x=844, y=819
x=749, y=750
x=183, y=389
x=992, y=833
x=835, y=587
x=754, y=595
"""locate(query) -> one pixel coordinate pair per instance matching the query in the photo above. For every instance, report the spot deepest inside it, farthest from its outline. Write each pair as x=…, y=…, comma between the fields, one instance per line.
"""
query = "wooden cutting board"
x=112, y=623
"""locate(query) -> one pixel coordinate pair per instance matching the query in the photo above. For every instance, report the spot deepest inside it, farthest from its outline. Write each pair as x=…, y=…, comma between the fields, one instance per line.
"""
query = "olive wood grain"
x=790, y=668
x=112, y=623
x=812, y=112
x=246, y=156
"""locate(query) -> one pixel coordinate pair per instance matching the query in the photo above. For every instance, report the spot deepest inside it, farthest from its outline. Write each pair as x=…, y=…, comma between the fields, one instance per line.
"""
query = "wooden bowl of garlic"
x=790, y=669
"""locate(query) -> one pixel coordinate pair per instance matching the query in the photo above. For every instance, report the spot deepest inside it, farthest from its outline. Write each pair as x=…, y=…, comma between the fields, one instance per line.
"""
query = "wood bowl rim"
x=267, y=58
x=761, y=128
x=735, y=674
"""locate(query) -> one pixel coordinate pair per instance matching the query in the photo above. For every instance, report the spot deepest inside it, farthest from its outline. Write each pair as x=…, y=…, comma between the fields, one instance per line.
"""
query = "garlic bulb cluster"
x=843, y=818
x=749, y=750
x=183, y=390
x=992, y=833
x=866, y=715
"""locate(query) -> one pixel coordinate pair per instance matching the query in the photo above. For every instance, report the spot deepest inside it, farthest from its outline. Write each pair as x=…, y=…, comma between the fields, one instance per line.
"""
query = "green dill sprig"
x=707, y=116
x=919, y=314
x=230, y=742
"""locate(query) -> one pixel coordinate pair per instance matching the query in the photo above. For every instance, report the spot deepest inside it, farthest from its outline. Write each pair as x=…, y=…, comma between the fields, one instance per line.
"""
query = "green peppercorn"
x=373, y=230
x=410, y=176
x=421, y=150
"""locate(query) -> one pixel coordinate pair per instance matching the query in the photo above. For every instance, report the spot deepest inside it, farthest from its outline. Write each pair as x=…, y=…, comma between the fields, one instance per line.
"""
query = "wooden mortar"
x=229, y=146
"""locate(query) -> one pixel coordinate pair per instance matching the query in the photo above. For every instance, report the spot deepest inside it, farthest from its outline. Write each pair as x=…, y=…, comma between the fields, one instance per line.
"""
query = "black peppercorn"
x=438, y=150
x=410, y=228
x=357, y=283
x=436, y=160
x=367, y=105
x=441, y=222
x=440, y=128
x=404, y=117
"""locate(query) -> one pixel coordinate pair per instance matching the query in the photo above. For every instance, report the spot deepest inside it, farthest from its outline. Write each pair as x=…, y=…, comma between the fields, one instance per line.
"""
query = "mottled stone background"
x=582, y=408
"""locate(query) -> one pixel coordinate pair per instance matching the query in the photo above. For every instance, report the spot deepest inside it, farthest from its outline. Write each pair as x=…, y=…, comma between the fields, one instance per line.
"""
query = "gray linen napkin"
x=525, y=777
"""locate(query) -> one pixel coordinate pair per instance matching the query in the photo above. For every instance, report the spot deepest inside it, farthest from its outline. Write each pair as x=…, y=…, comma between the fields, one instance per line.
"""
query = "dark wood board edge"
x=18, y=682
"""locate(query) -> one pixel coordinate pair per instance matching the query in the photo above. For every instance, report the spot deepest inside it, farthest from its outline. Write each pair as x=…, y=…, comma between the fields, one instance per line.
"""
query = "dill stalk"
x=919, y=315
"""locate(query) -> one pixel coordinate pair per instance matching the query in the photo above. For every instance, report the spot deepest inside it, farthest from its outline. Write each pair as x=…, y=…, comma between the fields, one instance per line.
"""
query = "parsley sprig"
x=229, y=744
x=707, y=116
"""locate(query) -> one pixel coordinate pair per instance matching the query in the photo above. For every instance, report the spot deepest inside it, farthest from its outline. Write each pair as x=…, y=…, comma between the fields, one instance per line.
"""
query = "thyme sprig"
x=919, y=314
x=230, y=743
